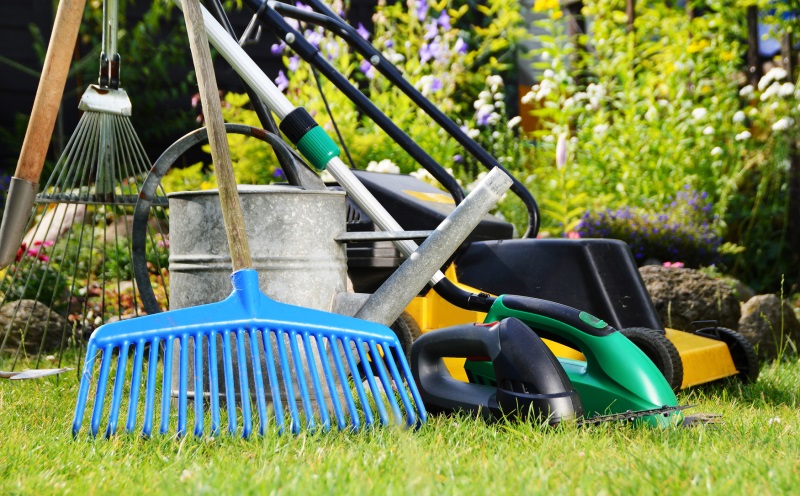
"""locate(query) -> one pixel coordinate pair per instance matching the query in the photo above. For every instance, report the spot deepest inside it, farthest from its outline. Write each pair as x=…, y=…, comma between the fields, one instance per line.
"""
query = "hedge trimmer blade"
x=690, y=420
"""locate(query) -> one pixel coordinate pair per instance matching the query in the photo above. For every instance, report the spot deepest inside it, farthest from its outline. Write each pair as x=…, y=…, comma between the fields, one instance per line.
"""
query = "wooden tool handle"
x=50, y=90
x=217, y=137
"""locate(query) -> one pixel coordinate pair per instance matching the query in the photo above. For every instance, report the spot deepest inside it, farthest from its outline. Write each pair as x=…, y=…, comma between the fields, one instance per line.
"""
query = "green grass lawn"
x=755, y=450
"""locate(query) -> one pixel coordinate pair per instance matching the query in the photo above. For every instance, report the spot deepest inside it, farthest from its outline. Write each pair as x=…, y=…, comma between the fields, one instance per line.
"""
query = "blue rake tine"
x=213, y=382
x=183, y=383
x=198, y=386
x=389, y=351
x=287, y=381
x=83, y=392
x=150, y=388
x=376, y=394
x=329, y=380
x=274, y=386
x=301, y=380
x=136, y=382
x=102, y=382
x=230, y=394
x=362, y=396
x=378, y=360
x=244, y=387
x=344, y=378
x=166, y=385
x=258, y=381
x=116, y=399
x=312, y=368
x=421, y=413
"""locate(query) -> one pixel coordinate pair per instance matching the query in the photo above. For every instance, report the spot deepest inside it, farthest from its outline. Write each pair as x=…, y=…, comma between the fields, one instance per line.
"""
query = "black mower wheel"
x=742, y=352
x=407, y=331
x=660, y=350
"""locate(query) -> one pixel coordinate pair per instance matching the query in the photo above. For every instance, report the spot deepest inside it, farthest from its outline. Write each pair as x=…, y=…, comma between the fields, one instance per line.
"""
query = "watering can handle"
x=217, y=137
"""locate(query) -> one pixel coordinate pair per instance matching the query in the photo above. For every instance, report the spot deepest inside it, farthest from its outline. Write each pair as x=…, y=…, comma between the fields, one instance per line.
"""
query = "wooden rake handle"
x=50, y=90
x=217, y=137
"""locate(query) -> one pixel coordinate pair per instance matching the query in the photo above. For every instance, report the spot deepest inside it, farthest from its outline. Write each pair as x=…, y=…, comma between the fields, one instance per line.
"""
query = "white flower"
x=424, y=175
x=600, y=129
x=494, y=81
x=708, y=130
x=549, y=74
x=396, y=58
x=386, y=166
x=783, y=124
x=513, y=122
x=485, y=96
x=528, y=97
x=746, y=91
x=786, y=90
x=496, y=135
x=744, y=135
x=561, y=151
x=774, y=420
x=770, y=92
x=738, y=116
x=473, y=133
x=663, y=103
x=651, y=114
x=699, y=113
x=716, y=151
x=774, y=74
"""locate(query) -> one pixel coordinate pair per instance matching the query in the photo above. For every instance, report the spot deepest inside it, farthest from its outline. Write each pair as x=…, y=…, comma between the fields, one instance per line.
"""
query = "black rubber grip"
x=296, y=124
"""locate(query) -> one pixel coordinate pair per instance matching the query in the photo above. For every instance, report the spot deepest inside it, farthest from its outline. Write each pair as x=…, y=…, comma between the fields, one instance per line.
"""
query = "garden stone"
x=38, y=318
x=761, y=321
x=682, y=296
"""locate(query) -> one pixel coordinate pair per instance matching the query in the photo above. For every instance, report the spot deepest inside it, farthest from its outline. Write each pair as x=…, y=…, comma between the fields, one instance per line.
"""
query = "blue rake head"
x=280, y=364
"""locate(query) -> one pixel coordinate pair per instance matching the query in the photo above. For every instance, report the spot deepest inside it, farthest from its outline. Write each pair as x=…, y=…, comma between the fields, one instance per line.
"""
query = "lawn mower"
x=597, y=275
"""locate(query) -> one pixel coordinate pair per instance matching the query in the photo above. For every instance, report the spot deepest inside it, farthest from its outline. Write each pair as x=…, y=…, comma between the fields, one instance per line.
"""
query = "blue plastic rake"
x=270, y=335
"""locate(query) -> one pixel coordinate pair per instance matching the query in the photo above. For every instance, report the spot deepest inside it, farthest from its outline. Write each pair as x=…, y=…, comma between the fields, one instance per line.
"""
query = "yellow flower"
x=697, y=46
x=727, y=56
x=542, y=5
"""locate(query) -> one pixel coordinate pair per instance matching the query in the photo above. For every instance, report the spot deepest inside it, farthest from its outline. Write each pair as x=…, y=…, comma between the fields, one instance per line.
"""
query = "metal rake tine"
x=102, y=382
x=150, y=388
x=136, y=380
x=329, y=380
x=312, y=368
x=183, y=383
x=83, y=391
x=258, y=381
x=198, y=386
x=166, y=388
x=213, y=382
x=274, y=386
x=119, y=381
x=301, y=380
x=230, y=394
x=376, y=394
x=362, y=396
x=244, y=386
x=287, y=380
x=400, y=385
x=343, y=379
x=378, y=360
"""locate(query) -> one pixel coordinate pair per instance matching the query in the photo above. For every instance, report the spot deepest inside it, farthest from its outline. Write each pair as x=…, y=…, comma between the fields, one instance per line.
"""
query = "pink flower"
x=673, y=265
x=573, y=235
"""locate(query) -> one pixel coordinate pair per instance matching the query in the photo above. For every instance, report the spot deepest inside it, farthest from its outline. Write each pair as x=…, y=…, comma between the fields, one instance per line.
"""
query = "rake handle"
x=217, y=136
x=50, y=90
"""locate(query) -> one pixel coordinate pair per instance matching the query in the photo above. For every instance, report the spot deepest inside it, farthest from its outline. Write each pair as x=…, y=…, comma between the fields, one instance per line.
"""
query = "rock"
x=682, y=296
x=769, y=325
x=742, y=291
x=36, y=320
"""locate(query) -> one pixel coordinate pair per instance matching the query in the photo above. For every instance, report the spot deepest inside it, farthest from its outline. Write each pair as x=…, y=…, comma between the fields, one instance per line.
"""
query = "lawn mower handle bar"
x=325, y=17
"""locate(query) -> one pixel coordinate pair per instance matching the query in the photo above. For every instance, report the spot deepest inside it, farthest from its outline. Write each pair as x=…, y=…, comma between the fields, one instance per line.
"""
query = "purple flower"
x=444, y=21
x=460, y=46
x=458, y=159
x=282, y=82
x=482, y=118
x=431, y=30
x=294, y=63
x=278, y=174
x=389, y=43
x=421, y=7
x=315, y=38
x=301, y=5
x=436, y=84
x=362, y=31
x=367, y=69
x=425, y=53
x=277, y=48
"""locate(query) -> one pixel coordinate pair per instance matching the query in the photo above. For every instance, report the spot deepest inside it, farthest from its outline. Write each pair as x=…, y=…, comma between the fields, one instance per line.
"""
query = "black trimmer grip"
x=530, y=380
